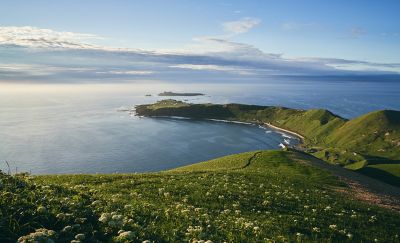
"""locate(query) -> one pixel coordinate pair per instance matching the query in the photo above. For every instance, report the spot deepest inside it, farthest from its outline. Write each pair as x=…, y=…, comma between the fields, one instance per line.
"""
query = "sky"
x=196, y=41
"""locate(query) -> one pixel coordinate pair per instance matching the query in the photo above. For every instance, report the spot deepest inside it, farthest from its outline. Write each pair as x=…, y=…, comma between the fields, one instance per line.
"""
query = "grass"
x=375, y=134
x=232, y=162
x=169, y=103
x=258, y=196
x=341, y=157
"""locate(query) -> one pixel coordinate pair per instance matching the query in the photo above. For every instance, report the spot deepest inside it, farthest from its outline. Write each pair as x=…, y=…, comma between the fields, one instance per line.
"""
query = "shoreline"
x=298, y=136
x=285, y=130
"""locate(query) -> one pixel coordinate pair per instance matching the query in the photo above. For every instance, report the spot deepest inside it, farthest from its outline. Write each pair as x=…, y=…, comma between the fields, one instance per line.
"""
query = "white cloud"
x=28, y=36
x=240, y=26
x=224, y=48
x=201, y=67
x=210, y=67
x=39, y=70
x=129, y=72
x=222, y=45
x=37, y=37
x=353, y=65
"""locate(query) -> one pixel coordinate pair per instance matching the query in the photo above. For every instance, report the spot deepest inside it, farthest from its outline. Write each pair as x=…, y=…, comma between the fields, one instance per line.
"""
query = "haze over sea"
x=78, y=128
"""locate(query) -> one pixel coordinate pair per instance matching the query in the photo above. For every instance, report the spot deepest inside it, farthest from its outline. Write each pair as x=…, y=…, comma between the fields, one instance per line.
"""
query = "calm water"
x=77, y=129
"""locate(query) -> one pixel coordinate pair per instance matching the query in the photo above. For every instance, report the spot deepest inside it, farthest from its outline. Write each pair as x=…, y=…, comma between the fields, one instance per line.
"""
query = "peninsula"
x=369, y=144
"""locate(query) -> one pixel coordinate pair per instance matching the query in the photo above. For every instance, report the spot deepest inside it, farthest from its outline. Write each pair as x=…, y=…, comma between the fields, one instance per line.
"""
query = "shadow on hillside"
x=380, y=175
x=375, y=160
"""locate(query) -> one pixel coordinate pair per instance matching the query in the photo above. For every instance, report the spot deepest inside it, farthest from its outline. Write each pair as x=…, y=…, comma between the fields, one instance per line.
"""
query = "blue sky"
x=112, y=40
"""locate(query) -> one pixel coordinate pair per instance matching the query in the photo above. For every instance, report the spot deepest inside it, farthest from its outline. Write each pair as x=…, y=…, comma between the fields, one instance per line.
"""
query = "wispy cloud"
x=209, y=67
x=240, y=26
x=390, y=34
x=37, y=37
x=129, y=72
x=218, y=46
x=38, y=69
x=357, y=32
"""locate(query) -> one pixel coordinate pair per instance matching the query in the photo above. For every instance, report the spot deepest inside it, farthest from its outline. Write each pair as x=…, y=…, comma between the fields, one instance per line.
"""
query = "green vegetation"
x=167, y=93
x=375, y=134
x=257, y=196
x=236, y=161
x=163, y=103
x=368, y=140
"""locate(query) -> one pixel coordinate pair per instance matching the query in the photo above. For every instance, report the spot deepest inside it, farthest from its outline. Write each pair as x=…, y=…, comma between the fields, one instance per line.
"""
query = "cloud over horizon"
x=57, y=56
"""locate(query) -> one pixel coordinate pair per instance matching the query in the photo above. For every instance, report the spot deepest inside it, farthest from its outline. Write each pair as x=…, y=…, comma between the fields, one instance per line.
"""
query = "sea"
x=85, y=128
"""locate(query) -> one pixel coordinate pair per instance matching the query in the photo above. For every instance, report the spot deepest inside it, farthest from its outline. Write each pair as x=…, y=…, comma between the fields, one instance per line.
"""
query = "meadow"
x=260, y=196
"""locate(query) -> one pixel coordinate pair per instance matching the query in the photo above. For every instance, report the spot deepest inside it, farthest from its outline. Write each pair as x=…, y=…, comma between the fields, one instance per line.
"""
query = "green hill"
x=371, y=139
x=376, y=133
x=258, y=196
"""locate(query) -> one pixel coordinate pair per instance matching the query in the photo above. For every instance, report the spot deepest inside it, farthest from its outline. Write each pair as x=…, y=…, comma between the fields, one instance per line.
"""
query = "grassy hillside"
x=257, y=196
x=371, y=139
x=376, y=133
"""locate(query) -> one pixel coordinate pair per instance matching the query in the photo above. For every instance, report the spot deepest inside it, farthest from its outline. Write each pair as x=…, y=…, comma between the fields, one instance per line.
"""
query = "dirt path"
x=362, y=187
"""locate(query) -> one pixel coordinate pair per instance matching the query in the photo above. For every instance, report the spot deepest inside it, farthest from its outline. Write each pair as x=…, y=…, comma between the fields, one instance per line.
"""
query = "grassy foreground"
x=369, y=144
x=257, y=196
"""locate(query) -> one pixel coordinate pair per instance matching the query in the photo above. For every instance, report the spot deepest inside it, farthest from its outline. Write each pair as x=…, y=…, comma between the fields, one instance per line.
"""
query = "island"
x=168, y=93
x=369, y=144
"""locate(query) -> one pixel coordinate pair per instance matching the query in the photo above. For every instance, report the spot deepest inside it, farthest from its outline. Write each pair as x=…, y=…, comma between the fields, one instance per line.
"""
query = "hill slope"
x=256, y=196
x=376, y=133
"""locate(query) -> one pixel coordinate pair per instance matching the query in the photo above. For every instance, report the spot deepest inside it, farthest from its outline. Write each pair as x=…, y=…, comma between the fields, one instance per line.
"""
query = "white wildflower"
x=80, y=236
x=126, y=235
x=41, y=209
x=40, y=235
x=332, y=226
x=67, y=228
x=315, y=229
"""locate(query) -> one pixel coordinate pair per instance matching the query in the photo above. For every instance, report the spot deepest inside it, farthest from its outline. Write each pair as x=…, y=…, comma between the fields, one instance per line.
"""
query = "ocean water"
x=51, y=129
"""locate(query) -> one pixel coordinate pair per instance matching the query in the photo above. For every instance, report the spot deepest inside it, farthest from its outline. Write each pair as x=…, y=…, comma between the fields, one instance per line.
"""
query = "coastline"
x=298, y=136
x=285, y=130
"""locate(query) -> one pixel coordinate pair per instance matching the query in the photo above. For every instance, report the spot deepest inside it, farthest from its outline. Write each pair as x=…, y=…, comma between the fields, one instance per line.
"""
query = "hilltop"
x=257, y=196
x=366, y=144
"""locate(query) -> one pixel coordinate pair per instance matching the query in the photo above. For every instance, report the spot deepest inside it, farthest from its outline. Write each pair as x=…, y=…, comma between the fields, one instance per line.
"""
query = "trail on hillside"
x=362, y=187
x=250, y=159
